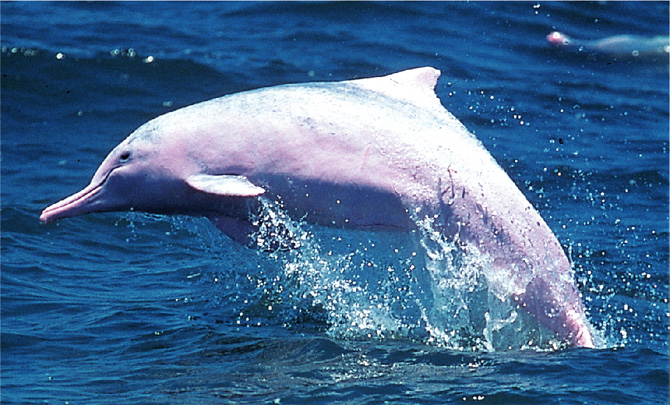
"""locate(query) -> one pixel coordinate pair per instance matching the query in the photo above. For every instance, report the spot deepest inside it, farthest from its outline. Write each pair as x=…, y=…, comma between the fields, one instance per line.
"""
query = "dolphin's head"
x=130, y=178
x=159, y=169
x=558, y=39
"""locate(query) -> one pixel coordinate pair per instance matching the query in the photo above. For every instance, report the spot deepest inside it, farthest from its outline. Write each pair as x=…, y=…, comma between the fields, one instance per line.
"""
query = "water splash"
x=419, y=285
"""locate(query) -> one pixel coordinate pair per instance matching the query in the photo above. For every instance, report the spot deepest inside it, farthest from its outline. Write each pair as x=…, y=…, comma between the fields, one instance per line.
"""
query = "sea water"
x=133, y=308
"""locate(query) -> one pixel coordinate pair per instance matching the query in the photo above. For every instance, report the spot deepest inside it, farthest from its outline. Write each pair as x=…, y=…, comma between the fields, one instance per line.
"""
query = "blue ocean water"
x=132, y=308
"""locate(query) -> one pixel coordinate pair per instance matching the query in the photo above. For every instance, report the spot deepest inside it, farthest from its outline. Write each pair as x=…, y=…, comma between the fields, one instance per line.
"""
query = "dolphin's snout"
x=77, y=204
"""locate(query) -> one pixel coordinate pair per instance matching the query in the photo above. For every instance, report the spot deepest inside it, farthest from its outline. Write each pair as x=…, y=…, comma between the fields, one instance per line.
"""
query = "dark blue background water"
x=133, y=308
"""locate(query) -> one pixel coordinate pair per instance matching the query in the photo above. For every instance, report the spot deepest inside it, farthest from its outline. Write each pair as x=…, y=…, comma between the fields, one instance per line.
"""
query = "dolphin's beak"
x=81, y=203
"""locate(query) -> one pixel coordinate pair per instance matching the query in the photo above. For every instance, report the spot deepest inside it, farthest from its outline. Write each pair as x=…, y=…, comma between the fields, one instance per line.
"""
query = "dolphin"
x=371, y=153
x=618, y=45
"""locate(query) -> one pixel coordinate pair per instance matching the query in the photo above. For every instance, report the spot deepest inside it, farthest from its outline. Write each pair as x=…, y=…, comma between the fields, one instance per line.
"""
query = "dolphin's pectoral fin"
x=236, y=229
x=246, y=233
x=224, y=185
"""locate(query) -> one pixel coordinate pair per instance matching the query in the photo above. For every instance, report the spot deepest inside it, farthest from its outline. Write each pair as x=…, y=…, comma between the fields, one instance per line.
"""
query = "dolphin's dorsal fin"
x=416, y=86
x=224, y=185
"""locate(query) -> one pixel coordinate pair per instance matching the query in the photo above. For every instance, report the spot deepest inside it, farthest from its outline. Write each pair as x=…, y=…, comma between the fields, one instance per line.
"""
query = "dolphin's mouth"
x=79, y=203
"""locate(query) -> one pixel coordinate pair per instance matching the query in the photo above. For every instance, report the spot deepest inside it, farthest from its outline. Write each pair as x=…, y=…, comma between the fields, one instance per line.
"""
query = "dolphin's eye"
x=125, y=156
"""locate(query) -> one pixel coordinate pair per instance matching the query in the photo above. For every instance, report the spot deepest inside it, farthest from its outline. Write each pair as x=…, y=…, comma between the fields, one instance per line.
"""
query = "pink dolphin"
x=362, y=153
x=618, y=45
